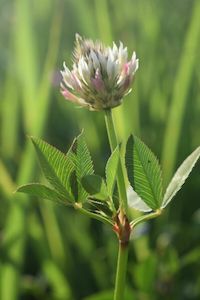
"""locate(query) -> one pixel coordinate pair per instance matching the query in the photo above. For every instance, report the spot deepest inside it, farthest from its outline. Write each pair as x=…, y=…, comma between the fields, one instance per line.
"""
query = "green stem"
x=121, y=271
x=113, y=144
x=123, y=247
x=92, y=215
x=145, y=218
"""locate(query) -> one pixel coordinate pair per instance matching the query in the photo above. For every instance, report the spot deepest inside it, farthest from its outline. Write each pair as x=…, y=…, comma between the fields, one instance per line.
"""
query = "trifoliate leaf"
x=135, y=201
x=144, y=172
x=95, y=186
x=180, y=176
x=41, y=191
x=111, y=170
x=56, y=166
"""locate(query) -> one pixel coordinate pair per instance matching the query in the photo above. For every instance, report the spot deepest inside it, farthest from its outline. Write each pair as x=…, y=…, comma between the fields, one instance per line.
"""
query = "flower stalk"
x=113, y=144
x=120, y=280
x=121, y=227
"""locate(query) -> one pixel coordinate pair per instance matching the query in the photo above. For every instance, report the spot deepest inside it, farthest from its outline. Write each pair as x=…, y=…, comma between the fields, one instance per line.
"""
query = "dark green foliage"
x=95, y=186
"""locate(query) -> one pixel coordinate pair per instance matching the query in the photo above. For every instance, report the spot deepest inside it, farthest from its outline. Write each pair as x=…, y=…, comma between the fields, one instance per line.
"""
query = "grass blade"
x=180, y=92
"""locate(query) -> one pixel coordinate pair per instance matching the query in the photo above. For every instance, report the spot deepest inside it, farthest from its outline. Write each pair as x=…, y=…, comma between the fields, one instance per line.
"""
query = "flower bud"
x=100, y=77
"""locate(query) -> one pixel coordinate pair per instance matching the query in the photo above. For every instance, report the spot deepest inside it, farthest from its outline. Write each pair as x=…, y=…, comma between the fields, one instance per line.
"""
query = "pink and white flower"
x=100, y=77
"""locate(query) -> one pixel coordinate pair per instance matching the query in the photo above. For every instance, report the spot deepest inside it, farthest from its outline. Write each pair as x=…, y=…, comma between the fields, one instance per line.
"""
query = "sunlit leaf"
x=95, y=186
x=135, y=201
x=180, y=176
x=111, y=170
x=144, y=172
x=43, y=192
x=56, y=166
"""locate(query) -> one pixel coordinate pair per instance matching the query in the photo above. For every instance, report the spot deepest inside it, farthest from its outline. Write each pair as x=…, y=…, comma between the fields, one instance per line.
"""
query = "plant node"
x=122, y=227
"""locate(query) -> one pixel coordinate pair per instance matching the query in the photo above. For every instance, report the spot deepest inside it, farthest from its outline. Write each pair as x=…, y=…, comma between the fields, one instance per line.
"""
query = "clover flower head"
x=100, y=77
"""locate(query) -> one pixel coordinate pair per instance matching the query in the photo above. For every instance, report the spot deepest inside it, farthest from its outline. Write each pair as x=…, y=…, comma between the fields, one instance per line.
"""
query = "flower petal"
x=97, y=82
x=71, y=97
x=95, y=60
x=110, y=67
x=83, y=70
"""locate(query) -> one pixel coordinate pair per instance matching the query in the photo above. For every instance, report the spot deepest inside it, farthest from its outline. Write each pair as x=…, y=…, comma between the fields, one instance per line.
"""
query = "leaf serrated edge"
x=61, y=200
x=36, y=142
x=81, y=141
x=169, y=195
x=160, y=185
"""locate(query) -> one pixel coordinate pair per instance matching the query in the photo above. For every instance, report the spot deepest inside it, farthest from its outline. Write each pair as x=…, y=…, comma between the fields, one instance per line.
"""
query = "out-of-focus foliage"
x=48, y=251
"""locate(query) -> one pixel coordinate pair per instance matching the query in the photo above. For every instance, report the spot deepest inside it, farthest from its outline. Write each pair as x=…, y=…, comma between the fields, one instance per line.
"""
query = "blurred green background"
x=48, y=251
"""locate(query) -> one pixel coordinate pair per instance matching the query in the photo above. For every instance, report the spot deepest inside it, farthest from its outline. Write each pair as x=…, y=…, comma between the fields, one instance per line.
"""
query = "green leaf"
x=144, y=172
x=180, y=176
x=71, y=153
x=42, y=191
x=95, y=186
x=111, y=170
x=135, y=201
x=84, y=165
x=74, y=184
x=56, y=166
